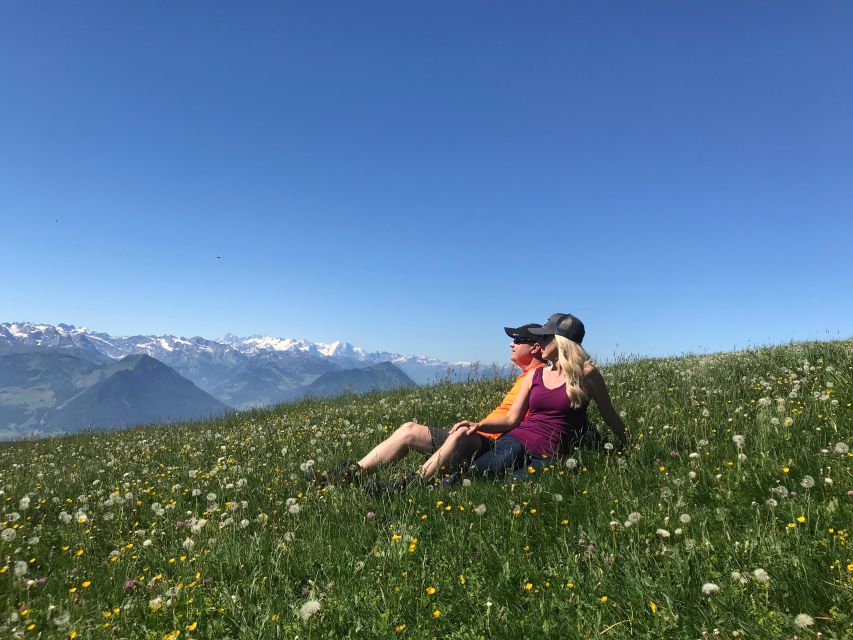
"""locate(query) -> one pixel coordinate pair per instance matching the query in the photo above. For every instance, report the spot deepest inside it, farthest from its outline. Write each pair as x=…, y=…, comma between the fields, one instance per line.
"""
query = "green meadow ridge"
x=731, y=511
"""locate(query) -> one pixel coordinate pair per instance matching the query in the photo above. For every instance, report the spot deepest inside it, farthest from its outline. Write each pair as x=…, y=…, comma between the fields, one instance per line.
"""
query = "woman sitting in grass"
x=549, y=414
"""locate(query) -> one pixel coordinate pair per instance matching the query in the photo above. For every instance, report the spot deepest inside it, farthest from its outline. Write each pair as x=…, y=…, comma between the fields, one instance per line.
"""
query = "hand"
x=466, y=425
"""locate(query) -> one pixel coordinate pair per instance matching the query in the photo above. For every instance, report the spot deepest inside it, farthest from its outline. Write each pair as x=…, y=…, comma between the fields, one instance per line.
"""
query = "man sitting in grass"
x=526, y=353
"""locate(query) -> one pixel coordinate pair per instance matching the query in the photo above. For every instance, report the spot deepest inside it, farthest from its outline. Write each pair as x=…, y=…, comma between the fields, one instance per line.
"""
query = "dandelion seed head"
x=761, y=576
x=309, y=609
x=709, y=588
x=803, y=620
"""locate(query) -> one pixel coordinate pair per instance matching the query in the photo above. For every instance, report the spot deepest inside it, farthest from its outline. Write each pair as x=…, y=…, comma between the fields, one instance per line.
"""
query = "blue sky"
x=414, y=176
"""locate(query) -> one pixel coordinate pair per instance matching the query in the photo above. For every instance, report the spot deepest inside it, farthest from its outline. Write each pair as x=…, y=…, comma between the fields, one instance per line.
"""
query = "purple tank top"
x=550, y=419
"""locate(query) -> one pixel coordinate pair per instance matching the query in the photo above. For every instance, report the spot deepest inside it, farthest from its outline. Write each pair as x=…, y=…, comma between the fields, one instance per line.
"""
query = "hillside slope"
x=730, y=511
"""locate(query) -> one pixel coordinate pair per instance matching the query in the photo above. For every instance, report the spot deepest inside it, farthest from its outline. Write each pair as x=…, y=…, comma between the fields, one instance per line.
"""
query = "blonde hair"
x=573, y=359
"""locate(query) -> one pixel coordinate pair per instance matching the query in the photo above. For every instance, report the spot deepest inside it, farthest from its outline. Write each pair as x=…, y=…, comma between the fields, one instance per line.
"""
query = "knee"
x=409, y=431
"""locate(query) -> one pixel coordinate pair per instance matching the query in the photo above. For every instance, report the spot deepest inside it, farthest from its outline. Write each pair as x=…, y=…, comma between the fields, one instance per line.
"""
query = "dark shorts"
x=439, y=437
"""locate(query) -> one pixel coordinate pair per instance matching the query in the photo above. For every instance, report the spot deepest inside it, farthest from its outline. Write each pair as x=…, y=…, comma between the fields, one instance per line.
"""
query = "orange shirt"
x=503, y=408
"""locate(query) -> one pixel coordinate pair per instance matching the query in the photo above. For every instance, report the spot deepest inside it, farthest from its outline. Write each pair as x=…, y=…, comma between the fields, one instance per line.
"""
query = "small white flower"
x=827, y=482
x=807, y=482
x=147, y=543
x=20, y=568
x=294, y=509
x=634, y=517
x=7, y=535
x=739, y=440
x=678, y=531
x=211, y=497
x=558, y=497
x=691, y=475
x=684, y=518
x=195, y=493
x=840, y=447
x=289, y=536
x=608, y=446
x=770, y=502
x=24, y=503
x=663, y=533
x=198, y=525
x=709, y=588
x=309, y=609
x=803, y=620
x=480, y=509
x=694, y=455
x=466, y=482
x=737, y=576
x=189, y=544
x=244, y=523
x=571, y=463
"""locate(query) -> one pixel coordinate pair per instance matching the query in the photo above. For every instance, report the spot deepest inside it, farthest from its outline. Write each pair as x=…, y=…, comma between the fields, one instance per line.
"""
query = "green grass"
x=551, y=557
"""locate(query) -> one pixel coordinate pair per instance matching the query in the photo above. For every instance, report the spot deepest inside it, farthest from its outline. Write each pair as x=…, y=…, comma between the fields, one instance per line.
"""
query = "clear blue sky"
x=413, y=176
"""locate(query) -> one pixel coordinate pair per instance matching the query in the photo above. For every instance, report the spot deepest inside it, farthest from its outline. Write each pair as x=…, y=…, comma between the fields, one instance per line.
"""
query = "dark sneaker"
x=449, y=481
x=378, y=487
x=346, y=472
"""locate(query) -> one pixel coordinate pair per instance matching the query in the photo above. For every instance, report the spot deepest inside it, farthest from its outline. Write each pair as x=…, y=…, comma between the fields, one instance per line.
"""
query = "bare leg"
x=409, y=437
x=456, y=449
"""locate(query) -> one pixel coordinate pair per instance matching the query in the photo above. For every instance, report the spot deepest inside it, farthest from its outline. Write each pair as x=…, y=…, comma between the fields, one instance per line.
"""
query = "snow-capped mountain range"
x=206, y=361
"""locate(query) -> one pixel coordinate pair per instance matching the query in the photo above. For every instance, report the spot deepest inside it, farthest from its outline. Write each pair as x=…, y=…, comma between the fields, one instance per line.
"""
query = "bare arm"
x=506, y=422
x=598, y=391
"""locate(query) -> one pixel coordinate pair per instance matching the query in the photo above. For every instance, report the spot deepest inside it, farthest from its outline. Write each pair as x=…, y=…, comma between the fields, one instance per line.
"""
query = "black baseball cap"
x=523, y=332
x=562, y=324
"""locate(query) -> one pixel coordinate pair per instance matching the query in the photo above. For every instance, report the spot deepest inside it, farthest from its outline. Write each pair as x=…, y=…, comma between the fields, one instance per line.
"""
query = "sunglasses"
x=523, y=341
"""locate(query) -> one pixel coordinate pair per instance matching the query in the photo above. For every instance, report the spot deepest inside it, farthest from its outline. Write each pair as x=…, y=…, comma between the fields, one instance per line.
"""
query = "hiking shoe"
x=345, y=472
x=377, y=487
x=452, y=479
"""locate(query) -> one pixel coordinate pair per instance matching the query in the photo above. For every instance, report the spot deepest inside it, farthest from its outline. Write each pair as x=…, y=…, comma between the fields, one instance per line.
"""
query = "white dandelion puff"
x=480, y=509
x=803, y=620
x=309, y=609
x=761, y=576
x=709, y=588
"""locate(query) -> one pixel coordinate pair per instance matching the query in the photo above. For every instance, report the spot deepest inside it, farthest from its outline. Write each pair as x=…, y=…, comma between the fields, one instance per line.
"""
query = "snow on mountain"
x=177, y=351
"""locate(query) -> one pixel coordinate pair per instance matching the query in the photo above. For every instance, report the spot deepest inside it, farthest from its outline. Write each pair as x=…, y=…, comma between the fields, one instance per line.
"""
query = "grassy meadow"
x=729, y=516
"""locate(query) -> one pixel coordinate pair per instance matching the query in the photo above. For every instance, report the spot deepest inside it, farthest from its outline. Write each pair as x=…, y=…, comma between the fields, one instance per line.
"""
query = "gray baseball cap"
x=562, y=324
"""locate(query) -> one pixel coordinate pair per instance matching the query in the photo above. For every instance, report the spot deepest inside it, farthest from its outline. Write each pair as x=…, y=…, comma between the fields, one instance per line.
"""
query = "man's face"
x=523, y=351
